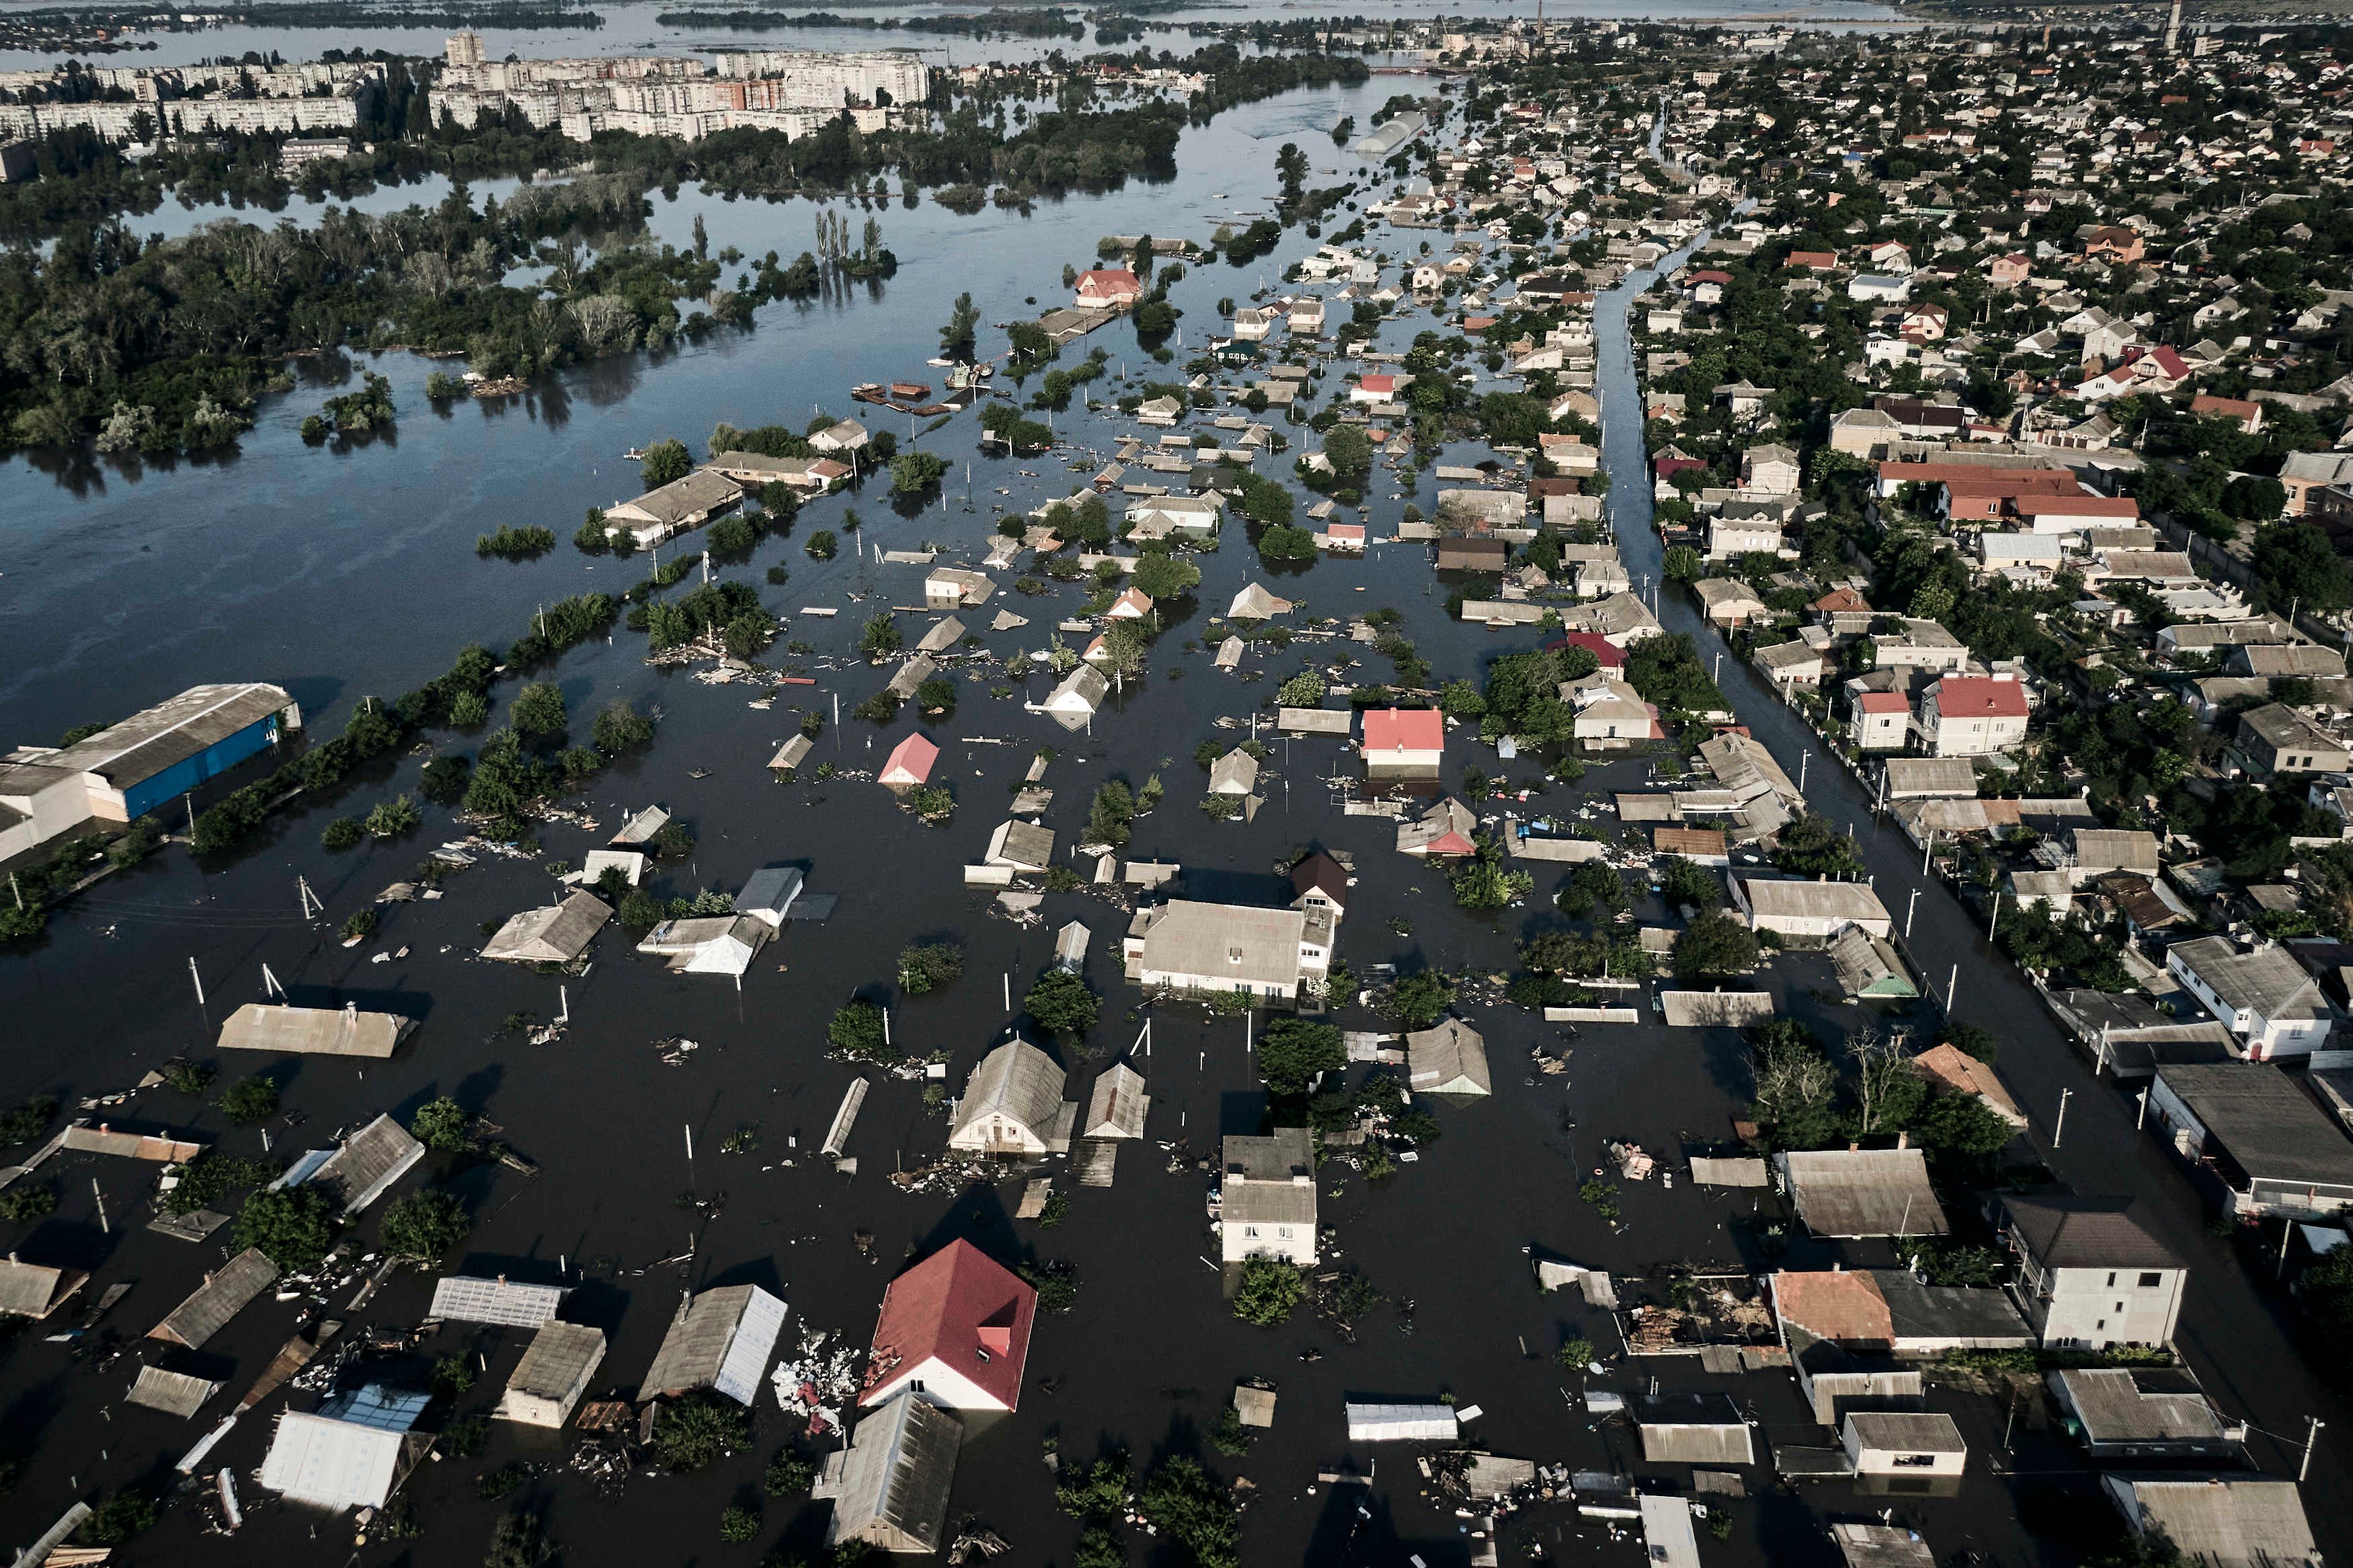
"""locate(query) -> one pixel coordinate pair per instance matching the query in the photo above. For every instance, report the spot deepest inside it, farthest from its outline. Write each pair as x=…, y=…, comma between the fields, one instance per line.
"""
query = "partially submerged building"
x=1851, y=1192
x=2217, y=1522
x=223, y=1294
x=2136, y=1413
x=558, y=933
x=1266, y=1204
x=1693, y=1428
x=2090, y=1275
x=720, y=1339
x=315, y=1031
x=1273, y=955
x=35, y=1290
x=145, y=763
x=552, y=1376
x=954, y=1332
x=1118, y=1106
x=889, y=1488
x=361, y=1169
x=354, y=1453
x=1013, y=1105
x=1450, y=1057
x=469, y=1299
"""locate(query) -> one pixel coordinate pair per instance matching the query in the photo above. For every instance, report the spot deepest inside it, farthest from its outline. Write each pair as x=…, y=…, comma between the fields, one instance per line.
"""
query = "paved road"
x=2236, y=1335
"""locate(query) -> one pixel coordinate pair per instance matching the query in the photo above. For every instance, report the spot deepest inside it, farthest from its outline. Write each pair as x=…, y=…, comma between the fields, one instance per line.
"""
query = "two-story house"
x=2090, y=1274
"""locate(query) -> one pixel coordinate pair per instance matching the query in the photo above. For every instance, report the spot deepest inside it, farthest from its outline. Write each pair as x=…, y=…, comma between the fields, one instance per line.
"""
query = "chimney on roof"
x=1903, y=1140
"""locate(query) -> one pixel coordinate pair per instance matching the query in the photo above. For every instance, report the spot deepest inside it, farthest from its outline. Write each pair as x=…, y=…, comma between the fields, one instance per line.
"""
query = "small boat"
x=634, y=454
x=698, y=774
x=909, y=389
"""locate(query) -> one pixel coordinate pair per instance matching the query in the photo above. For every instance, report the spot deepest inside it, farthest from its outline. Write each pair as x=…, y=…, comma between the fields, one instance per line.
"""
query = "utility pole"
x=2311, y=1436
x=1910, y=909
x=1952, y=985
x=2061, y=1125
x=199, y=981
x=2140, y=1119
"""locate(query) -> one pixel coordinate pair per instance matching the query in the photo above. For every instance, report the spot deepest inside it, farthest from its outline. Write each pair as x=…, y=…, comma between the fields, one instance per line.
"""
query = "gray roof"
x=703, y=1336
x=2273, y=1129
x=913, y=674
x=1919, y=1312
x=2071, y=1232
x=768, y=894
x=555, y=934
x=35, y=1289
x=2219, y=1521
x=2284, y=728
x=172, y=1392
x=2267, y=981
x=1018, y=1081
x=697, y=492
x=469, y=1299
x=890, y=1487
x=369, y=1161
x=1882, y=1546
x=559, y=1357
x=1862, y=1192
x=941, y=638
x=2116, y=849
x=1024, y=844
x=1693, y=1428
x=1780, y=899
x=168, y=733
x=1906, y=1431
x=1240, y=943
x=1236, y=773
x=1283, y=1155
x=2137, y=1404
x=1450, y=1058
x=1117, y=1108
x=313, y=1031
x=220, y=1297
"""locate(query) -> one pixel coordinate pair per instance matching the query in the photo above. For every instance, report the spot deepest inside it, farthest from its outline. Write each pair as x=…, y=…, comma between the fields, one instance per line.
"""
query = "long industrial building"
x=147, y=761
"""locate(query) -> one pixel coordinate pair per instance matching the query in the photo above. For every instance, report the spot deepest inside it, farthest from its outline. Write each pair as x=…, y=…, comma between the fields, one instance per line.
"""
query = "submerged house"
x=314, y=1031
x=954, y=1332
x=708, y=945
x=1266, y=1204
x=1118, y=1106
x=552, y=1376
x=1013, y=1105
x=354, y=1453
x=358, y=1172
x=1450, y=1058
x=720, y=1340
x=889, y=1488
x=558, y=933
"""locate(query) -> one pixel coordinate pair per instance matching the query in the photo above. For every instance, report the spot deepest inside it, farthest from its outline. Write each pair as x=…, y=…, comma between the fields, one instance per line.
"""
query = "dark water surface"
x=345, y=572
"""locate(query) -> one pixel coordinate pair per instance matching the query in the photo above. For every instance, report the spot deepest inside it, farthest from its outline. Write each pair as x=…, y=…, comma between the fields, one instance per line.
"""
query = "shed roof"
x=557, y=1361
x=890, y=1487
x=1862, y=1192
x=1882, y=1546
x=368, y=1160
x=2219, y=1521
x=2137, y=1404
x=469, y=1299
x=35, y=1289
x=1117, y=1108
x=1906, y=1431
x=176, y=1394
x=557, y=934
x=220, y=1297
x=314, y=1031
x=702, y=1342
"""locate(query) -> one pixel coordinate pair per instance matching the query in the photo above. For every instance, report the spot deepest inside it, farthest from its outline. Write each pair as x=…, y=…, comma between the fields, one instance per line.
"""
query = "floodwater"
x=340, y=572
x=632, y=28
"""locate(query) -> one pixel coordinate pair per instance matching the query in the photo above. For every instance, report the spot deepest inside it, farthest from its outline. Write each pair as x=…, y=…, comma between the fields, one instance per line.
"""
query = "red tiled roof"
x=2077, y=506
x=1404, y=729
x=1882, y=702
x=1979, y=697
x=961, y=1309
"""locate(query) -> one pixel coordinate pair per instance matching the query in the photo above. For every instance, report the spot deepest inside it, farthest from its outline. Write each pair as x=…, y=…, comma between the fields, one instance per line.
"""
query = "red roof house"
x=1610, y=654
x=1109, y=286
x=955, y=1329
x=910, y=763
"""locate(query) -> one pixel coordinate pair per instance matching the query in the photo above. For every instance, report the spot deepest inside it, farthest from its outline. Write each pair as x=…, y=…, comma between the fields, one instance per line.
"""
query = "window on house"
x=2111, y=1281
x=2101, y=1325
x=1914, y=1461
x=2152, y=1281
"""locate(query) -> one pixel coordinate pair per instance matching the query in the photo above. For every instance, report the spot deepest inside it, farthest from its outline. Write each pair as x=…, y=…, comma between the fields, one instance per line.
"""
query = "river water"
x=631, y=28
x=339, y=572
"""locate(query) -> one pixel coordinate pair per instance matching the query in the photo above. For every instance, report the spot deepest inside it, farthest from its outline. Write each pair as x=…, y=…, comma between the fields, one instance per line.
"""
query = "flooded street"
x=349, y=570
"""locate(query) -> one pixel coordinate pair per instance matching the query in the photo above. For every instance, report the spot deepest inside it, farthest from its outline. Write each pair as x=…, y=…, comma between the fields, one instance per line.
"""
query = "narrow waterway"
x=2237, y=1338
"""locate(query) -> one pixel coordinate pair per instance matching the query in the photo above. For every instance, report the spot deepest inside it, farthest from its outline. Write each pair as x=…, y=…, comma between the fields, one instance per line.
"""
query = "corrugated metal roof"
x=172, y=1392
x=703, y=1339
x=369, y=1161
x=1016, y=1082
x=467, y=1299
x=1862, y=1192
x=895, y=1477
x=170, y=732
x=557, y=934
x=560, y=1356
